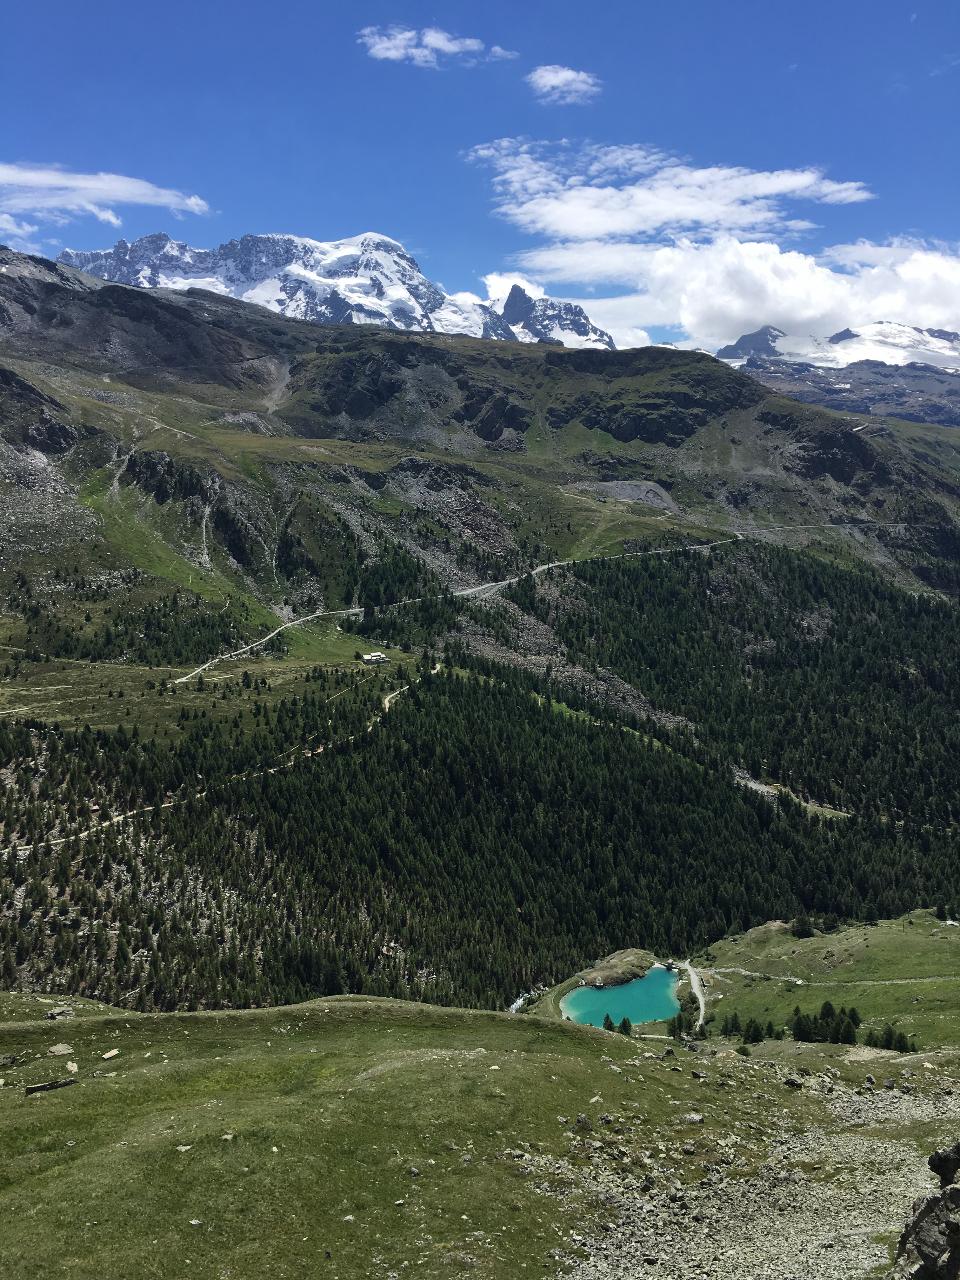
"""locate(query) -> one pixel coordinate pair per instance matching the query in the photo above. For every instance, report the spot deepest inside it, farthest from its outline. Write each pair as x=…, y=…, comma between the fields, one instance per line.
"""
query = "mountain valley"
x=670, y=661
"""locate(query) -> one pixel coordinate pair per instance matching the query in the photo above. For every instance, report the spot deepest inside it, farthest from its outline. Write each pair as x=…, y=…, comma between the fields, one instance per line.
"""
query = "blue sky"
x=697, y=168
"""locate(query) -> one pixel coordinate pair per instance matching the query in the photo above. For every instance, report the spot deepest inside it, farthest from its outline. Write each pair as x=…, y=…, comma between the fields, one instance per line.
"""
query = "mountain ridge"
x=679, y=422
x=364, y=279
x=884, y=341
x=884, y=369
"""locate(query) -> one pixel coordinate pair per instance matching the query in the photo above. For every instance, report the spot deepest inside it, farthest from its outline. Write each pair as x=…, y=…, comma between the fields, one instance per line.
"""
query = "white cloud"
x=10, y=227
x=562, y=86
x=712, y=250
x=619, y=316
x=396, y=44
x=443, y=42
x=49, y=194
x=590, y=192
x=427, y=47
x=718, y=289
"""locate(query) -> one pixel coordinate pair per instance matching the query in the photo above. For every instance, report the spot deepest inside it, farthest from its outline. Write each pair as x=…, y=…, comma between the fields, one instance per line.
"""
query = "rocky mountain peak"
x=547, y=320
x=762, y=342
x=518, y=306
x=365, y=279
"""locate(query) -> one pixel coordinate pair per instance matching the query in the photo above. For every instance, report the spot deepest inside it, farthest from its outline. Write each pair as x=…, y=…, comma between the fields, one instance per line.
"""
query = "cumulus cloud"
x=713, y=250
x=427, y=47
x=50, y=194
x=588, y=192
x=621, y=317
x=718, y=289
x=557, y=86
x=499, y=284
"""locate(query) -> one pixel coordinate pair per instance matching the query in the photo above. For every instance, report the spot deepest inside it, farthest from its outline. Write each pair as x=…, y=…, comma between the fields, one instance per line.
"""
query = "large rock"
x=929, y=1247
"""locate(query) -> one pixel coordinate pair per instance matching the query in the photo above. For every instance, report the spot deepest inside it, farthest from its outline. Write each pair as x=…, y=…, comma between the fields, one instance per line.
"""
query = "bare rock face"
x=29, y=419
x=929, y=1247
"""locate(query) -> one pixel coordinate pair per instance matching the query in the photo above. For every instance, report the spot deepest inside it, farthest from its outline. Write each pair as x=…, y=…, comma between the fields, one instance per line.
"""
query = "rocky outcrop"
x=546, y=320
x=31, y=419
x=358, y=385
x=929, y=1247
x=205, y=495
x=156, y=473
x=490, y=413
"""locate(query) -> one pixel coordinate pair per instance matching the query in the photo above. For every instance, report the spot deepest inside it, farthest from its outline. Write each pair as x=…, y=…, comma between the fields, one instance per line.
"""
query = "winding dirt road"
x=483, y=590
x=696, y=986
x=479, y=592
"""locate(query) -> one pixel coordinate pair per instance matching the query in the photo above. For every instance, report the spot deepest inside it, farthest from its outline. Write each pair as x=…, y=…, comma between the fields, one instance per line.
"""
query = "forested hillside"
x=477, y=839
x=215, y=511
x=826, y=679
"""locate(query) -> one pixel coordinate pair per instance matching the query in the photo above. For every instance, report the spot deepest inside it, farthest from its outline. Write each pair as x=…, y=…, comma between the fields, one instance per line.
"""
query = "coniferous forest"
x=496, y=830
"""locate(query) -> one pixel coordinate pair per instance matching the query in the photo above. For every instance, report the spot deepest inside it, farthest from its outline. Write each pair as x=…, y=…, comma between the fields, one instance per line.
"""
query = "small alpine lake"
x=648, y=999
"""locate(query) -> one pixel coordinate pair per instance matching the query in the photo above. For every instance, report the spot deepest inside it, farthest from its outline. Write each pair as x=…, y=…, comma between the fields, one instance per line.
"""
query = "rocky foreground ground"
x=758, y=1201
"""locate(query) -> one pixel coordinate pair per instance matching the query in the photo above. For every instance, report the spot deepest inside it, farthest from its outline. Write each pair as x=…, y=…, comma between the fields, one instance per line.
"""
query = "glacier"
x=363, y=279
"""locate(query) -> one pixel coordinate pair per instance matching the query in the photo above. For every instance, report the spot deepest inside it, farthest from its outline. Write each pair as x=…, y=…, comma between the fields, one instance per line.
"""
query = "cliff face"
x=929, y=1247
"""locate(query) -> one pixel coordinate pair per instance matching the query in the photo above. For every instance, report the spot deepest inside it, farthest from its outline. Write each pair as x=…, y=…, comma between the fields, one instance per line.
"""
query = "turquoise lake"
x=646, y=999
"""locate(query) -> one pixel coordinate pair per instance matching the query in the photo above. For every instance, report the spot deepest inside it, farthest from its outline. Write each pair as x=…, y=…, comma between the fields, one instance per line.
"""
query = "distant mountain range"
x=885, y=368
x=884, y=341
x=365, y=279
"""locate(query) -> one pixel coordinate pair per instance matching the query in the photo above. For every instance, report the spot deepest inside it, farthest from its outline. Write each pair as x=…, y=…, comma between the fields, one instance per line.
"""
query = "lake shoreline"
x=612, y=971
x=640, y=1001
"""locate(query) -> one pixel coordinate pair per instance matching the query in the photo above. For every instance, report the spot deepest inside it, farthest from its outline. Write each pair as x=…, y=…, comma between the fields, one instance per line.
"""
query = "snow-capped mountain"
x=545, y=320
x=365, y=279
x=886, y=341
x=895, y=370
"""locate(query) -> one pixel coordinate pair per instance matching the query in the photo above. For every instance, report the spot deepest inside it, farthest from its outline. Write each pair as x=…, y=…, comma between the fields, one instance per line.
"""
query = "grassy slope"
x=532, y=496
x=330, y=1106
x=905, y=971
x=20, y=1006
x=101, y=694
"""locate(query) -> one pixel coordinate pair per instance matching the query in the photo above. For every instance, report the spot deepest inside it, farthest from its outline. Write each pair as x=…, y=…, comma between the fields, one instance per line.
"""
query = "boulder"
x=929, y=1247
x=945, y=1163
